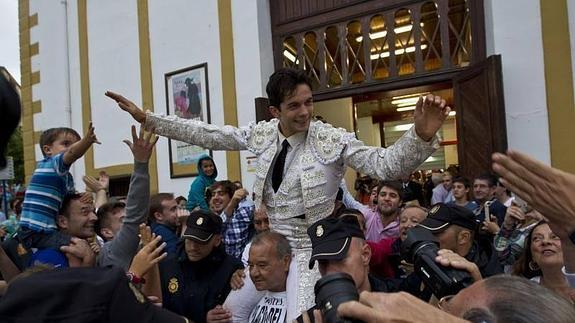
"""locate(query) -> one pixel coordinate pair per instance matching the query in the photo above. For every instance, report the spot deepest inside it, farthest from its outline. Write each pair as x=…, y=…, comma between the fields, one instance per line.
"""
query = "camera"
x=332, y=290
x=420, y=248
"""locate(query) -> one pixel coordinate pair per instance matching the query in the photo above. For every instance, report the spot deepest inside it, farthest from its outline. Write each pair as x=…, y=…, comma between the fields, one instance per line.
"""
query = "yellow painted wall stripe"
x=36, y=107
x=558, y=82
x=25, y=23
x=229, y=82
x=146, y=78
x=85, y=79
x=34, y=49
x=35, y=78
x=33, y=20
x=116, y=170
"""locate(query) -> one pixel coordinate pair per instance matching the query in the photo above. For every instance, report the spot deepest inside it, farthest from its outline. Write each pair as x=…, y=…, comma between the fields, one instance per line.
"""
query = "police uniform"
x=190, y=288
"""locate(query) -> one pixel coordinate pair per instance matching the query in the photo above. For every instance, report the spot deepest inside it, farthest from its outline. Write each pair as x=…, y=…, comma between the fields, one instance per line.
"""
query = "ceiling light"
x=452, y=113
x=409, y=108
x=406, y=101
x=289, y=56
x=400, y=127
x=383, y=33
x=398, y=52
x=410, y=95
x=405, y=104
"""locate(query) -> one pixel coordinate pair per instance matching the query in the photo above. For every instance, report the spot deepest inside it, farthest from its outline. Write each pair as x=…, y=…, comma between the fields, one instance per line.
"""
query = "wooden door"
x=480, y=107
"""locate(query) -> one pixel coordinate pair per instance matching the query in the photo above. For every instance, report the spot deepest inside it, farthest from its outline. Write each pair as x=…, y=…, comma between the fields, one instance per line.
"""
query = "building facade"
x=507, y=66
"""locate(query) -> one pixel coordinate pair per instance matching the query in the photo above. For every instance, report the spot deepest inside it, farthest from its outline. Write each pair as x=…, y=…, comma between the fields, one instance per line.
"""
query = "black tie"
x=278, y=172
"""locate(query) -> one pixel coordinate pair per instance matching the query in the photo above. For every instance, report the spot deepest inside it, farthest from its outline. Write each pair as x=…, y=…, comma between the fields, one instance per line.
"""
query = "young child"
x=49, y=185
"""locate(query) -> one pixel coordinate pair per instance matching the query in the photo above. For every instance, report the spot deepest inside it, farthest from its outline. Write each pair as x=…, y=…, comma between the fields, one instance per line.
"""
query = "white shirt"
x=296, y=142
x=270, y=309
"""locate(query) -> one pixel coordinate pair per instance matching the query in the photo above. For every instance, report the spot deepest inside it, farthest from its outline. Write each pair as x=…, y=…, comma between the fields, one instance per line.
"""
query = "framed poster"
x=187, y=97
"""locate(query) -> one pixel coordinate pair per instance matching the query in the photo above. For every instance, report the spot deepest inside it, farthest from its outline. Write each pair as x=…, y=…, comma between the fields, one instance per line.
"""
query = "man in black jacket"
x=338, y=246
x=455, y=228
x=198, y=279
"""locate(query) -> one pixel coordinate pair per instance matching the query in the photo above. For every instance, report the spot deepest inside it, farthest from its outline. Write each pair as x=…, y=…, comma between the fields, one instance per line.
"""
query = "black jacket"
x=496, y=209
x=483, y=254
x=192, y=289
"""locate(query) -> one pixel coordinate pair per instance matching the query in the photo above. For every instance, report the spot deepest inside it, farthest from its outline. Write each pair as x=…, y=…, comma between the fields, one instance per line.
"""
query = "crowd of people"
x=298, y=246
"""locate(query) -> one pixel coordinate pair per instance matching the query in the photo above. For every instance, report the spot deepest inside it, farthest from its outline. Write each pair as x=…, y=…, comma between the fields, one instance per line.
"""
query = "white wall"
x=73, y=52
x=253, y=64
x=114, y=65
x=52, y=63
x=183, y=34
x=513, y=29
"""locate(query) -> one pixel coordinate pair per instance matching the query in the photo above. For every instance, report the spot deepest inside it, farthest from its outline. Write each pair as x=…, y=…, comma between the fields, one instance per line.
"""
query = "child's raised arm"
x=79, y=148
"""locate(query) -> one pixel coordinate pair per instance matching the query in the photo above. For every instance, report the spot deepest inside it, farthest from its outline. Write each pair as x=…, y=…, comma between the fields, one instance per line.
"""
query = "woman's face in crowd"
x=409, y=218
x=546, y=247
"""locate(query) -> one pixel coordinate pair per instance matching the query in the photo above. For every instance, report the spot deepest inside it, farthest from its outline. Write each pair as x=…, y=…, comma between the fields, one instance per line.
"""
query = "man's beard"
x=388, y=212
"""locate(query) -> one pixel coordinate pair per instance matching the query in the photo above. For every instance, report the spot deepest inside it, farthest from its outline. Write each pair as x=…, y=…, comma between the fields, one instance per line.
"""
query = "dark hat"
x=441, y=216
x=79, y=295
x=202, y=225
x=331, y=237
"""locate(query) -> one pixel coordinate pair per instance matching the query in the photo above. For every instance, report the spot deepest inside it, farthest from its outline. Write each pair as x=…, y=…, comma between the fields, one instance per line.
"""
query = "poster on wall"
x=187, y=97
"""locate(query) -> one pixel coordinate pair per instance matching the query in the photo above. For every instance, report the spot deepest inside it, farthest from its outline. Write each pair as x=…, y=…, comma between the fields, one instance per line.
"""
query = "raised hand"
x=128, y=106
x=240, y=194
x=146, y=235
x=490, y=224
x=91, y=135
x=147, y=257
x=92, y=184
x=104, y=179
x=513, y=216
x=548, y=190
x=429, y=116
x=142, y=145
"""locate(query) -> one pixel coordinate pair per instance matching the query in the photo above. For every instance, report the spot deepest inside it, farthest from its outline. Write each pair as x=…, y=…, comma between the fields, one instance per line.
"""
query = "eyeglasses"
x=443, y=303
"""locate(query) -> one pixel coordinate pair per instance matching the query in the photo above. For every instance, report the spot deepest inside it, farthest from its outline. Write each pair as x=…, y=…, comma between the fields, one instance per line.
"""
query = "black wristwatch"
x=572, y=237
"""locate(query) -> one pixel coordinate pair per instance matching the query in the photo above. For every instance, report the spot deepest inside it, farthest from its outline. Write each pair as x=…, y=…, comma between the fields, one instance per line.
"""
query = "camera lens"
x=420, y=248
x=332, y=290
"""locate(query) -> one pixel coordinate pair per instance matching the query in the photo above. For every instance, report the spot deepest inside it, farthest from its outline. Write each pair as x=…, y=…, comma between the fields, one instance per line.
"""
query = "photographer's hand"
x=449, y=258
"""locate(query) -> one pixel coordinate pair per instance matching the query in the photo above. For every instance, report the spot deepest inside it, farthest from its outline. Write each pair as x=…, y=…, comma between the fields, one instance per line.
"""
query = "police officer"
x=198, y=278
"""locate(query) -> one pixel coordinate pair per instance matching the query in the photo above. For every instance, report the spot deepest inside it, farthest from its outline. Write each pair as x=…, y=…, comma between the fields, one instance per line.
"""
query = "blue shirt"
x=49, y=257
x=49, y=185
x=471, y=205
x=168, y=236
x=235, y=230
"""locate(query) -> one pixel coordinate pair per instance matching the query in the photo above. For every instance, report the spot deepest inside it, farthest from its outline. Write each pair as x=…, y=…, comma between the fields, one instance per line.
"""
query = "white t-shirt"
x=272, y=308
